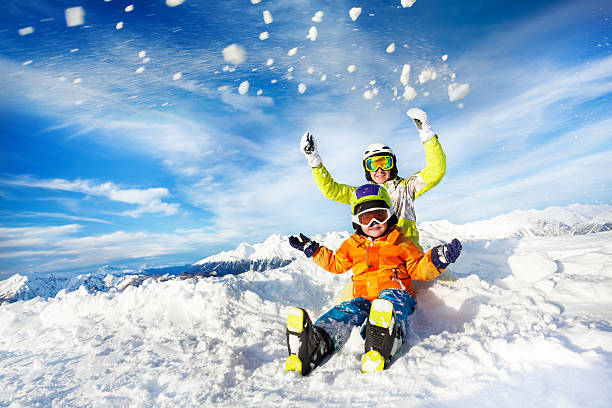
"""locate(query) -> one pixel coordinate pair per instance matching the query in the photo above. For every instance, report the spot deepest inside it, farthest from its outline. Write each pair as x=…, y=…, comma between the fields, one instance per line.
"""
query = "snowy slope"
x=528, y=323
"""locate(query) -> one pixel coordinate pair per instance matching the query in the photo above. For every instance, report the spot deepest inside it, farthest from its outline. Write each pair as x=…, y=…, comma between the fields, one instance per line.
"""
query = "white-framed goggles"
x=372, y=215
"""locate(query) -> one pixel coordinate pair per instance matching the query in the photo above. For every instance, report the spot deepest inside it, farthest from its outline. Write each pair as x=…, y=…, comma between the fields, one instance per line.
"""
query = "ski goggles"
x=373, y=215
x=376, y=162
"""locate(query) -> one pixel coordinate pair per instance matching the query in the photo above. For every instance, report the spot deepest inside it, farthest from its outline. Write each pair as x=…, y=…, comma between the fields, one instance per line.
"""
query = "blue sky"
x=132, y=144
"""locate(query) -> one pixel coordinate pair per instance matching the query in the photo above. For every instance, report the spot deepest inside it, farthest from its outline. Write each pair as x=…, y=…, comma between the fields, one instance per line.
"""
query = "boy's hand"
x=422, y=123
x=443, y=255
x=308, y=146
x=304, y=244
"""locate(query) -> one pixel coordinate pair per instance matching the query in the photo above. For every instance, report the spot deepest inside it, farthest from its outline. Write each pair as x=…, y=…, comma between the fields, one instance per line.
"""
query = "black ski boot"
x=307, y=344
x=383, y=336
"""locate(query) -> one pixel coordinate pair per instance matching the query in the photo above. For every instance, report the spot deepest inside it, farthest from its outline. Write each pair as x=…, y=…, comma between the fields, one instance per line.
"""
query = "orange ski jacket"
x=388, y=262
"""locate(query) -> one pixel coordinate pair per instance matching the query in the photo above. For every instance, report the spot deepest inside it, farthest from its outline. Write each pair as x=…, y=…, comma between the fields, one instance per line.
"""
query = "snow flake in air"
x=457, y=91
x=75, y=16
x=270, y=61
x=301, y=88
x=243, y=88
x=351, y=68
x=234, y=54
x=129, y=8
x=292, y=52
x=444, y=57
x=177, y=76
x=408, y=3
x=409, y=93
x=391, y=48
x=313, y=33
x=174, y=3
x=354, y=13
x=26, y=30
x=142, y=54
x=267, y=16
x=318, y=17
x=255, y=1
x=405, y=76
x=369, y=94
x=119, y=25
x=140, y=70
x=28, y=62
x=264, y=36
x=426, y=75
x=323, y=77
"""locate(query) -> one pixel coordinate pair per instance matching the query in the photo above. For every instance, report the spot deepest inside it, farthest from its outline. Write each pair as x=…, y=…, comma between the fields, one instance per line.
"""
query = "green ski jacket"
x=403, y=191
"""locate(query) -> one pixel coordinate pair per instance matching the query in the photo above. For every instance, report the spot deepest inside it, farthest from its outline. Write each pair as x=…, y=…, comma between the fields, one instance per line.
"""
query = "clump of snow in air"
x=75, y=16
x=243, y=88
x=74, y=50
x=444, y=57
x=408, y=3
x=409, y=93
x=351, y=68
x=457, y=91
x=177, y=76
x=234, y=54
x=146, y=60
x=426, y=93
x=255, y=1
x=174, y=3
x=140, y=70
x=119, y=25
x=323, y=77
x=313, y=33
x=292, y=52
x=270, y=61
x=310, y=70
x=142, y=54
x=264, y=36
x=391, y=48
x=426, y=75
x=26, y=30
x=259, y=92
x=370, y=93
x=355, y=12
x=405, y=76
x=318, y=17
x=301, y=88
x=267, y=16
x=28, y=62
x=129, y=8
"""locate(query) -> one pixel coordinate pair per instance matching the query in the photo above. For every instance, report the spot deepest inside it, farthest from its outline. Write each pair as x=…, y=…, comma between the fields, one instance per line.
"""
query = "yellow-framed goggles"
x=376, y=162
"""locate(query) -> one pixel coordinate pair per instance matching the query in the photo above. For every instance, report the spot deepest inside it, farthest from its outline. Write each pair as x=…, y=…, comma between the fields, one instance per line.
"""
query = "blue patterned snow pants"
x=339, y=321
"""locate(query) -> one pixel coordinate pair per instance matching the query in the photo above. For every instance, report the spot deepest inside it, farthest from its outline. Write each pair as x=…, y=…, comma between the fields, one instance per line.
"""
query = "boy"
x=383, y=261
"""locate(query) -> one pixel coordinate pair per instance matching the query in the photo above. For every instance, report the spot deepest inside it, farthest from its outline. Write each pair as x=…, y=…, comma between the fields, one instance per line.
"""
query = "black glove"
x=443, y=255
x=304, y=244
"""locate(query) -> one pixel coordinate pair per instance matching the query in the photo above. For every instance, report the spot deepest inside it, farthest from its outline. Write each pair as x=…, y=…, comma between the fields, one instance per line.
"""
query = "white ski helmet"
x=377, y=149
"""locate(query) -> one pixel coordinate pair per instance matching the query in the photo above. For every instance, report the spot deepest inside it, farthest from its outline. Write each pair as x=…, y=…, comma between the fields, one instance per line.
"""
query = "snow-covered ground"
x=528, y=323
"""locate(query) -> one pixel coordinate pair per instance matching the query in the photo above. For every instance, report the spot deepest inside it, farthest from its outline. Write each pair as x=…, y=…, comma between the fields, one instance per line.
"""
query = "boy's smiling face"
x=380, y=176
x=375, y=230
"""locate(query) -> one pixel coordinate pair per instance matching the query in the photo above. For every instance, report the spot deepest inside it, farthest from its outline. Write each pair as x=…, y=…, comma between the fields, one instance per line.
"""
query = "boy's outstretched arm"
x=321, y=255
x=329, y=187
x=430, y=265
x=435, y=158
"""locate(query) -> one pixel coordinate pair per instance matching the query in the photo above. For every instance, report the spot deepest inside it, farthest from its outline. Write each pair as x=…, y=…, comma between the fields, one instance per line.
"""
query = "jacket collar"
x=391, y=237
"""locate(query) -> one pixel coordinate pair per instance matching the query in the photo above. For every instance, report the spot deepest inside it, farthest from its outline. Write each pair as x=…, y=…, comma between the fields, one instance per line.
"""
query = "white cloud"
x=149, y=201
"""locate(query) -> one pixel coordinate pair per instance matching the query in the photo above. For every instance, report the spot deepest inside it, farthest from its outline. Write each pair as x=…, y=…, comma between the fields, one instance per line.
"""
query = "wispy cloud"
x=149, y=201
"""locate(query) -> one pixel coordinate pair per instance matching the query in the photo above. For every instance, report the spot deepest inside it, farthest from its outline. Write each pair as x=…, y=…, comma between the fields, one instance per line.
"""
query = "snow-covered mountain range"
x=275, y=251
